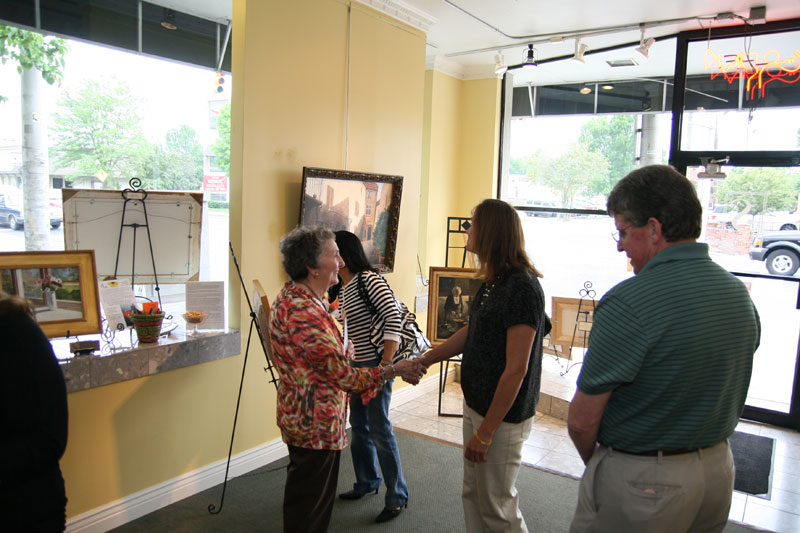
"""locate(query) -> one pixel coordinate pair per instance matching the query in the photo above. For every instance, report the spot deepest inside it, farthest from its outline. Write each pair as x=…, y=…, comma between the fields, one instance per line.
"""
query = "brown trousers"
x=311, y=479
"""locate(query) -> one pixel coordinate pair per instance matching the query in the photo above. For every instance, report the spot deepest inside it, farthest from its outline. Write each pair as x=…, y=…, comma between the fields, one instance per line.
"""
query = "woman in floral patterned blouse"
x=315, y=376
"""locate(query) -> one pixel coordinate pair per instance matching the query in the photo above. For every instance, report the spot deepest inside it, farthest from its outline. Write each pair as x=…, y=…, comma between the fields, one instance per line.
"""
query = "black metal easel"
x=137, y=194
x=455, y=225
x=582, y=317
x=269, y=368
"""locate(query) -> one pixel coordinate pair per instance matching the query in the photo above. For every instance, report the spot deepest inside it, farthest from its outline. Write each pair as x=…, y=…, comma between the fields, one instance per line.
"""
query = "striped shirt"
x=359, y=320
x=675, y=344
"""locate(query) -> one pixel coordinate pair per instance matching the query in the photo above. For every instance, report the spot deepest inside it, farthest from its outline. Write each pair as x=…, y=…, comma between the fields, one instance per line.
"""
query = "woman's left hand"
x=475, y=451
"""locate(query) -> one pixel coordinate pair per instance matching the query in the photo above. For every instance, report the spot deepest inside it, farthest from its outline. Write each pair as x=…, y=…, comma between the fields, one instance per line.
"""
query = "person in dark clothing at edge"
x=33, y=399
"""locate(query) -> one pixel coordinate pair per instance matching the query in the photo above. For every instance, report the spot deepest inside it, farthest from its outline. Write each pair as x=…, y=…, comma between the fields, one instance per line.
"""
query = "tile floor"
x=550, y=448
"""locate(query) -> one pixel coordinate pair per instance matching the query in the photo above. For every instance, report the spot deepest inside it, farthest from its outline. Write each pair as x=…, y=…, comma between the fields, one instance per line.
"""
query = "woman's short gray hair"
x=302, y=248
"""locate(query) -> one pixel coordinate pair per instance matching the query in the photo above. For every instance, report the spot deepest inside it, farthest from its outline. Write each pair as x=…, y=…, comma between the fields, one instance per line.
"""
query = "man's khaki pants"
x=673, y=493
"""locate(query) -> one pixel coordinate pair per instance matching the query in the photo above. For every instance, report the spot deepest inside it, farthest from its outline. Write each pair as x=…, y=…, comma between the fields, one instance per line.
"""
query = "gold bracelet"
x=481, y=440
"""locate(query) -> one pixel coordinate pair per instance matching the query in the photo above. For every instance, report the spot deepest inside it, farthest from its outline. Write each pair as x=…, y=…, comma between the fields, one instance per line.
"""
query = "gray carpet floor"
x=432, y=469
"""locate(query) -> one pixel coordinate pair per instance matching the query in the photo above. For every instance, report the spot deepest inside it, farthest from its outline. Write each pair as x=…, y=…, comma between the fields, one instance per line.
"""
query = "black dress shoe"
x=388, y=514
x=354, y=494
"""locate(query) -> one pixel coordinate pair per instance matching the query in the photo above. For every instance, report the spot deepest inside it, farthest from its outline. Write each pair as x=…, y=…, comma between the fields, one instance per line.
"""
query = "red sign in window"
x=215, y=183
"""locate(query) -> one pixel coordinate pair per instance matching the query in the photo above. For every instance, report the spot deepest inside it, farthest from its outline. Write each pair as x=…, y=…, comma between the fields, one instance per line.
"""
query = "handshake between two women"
x=411, y=370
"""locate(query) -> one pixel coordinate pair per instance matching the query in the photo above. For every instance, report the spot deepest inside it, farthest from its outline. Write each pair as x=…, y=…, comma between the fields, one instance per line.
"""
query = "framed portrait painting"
x=450, y=293
x=367, y=205
x=61, y=287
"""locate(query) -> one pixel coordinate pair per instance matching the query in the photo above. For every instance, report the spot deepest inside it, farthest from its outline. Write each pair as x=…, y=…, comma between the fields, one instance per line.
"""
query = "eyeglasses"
x=619, y=235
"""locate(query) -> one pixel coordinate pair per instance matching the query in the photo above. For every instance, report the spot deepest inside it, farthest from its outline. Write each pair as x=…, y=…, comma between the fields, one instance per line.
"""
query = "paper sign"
x=116, y=297
x=209, y=297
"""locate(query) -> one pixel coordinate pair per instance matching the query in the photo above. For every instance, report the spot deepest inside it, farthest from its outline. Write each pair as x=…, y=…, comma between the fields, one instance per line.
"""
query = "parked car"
x=542, y=203
x=780, y=251
x=790, y=222
x=11, y=212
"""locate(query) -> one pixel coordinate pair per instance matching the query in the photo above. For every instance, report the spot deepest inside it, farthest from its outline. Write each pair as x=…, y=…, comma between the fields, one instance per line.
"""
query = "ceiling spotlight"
x=529, y=59
x=580, y=49
x=499, y=65
x=607, y=86
x=585, y=90
x=644, y=45
x=168, y=20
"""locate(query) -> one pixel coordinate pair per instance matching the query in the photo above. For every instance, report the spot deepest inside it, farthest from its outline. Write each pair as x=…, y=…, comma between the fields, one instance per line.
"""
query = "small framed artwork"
x=367, y=205
x=61, y=286
x=572, y=321
x=261, y=310
x=450, y=293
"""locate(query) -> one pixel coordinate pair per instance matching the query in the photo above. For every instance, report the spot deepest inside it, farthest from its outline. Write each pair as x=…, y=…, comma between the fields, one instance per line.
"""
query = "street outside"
x=572, y=252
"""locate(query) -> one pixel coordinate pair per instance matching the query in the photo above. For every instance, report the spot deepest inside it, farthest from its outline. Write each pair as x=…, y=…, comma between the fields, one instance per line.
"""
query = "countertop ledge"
x=127, y=360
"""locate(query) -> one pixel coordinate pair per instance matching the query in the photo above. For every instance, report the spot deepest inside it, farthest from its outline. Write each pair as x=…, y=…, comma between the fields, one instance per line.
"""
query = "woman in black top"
x=501, y=367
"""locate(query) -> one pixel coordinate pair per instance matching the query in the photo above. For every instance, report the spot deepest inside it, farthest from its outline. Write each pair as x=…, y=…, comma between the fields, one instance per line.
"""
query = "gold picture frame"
x=568, y=329
x=62, y=286
x=443, y=322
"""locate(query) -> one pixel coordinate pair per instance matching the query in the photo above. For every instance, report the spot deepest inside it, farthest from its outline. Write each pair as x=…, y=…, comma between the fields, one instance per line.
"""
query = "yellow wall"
x=460, y=158
x=290, y=109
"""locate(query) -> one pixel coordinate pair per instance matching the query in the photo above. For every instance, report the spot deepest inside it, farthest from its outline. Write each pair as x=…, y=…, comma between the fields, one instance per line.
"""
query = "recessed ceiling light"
x=585, y=90
x=607, y=86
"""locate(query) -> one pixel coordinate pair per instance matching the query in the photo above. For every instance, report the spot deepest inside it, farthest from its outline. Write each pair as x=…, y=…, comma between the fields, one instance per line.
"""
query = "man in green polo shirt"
x=666, y=373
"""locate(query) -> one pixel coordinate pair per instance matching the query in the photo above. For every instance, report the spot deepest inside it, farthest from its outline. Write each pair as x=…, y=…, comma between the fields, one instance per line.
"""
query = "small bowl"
x=194, y=317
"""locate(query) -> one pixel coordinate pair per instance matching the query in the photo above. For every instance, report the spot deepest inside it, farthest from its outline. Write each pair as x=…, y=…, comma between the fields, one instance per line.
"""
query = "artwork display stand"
x=213, y=509
x=137, y=194
x=455, y=225
x=580, y=331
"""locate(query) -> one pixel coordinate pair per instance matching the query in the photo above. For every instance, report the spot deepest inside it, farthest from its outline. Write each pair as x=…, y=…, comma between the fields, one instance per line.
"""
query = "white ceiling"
x=459, y=32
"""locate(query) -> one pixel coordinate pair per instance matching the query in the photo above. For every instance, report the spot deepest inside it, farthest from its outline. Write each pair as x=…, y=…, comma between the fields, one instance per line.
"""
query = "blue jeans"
x=374, y=443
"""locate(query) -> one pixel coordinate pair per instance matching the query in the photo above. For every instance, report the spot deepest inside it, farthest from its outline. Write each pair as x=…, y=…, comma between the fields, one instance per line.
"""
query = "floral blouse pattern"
x=315, y=374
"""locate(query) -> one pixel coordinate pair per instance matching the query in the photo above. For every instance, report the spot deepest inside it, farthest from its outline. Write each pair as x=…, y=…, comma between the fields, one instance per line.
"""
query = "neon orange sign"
x=756, y=69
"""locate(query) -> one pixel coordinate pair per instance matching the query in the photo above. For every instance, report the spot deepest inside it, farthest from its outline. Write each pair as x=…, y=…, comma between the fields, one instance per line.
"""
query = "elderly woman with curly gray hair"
x=313, y=360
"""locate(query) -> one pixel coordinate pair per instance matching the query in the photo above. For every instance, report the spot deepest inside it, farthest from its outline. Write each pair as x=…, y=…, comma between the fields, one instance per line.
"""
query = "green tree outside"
x=99, y=129
x=614, y=138
x=177, y=164
x=573, y=172
x=222, y=146
x=38, y=59
x=765, y=189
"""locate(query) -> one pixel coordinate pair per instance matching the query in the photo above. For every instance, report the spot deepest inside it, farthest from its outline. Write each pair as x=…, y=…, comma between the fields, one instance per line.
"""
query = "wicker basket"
x=147, y=327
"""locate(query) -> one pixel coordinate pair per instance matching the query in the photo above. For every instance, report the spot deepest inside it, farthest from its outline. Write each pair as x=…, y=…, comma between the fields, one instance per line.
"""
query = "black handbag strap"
x=364, y=295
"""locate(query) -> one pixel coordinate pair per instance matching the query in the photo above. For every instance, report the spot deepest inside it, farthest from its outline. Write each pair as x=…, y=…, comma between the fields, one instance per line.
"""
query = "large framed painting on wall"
x=365, y=204
x=61, y=286
x=450, y=294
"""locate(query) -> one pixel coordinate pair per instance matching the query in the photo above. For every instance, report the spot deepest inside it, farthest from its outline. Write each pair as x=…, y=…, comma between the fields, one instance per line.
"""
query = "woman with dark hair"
x=33, y=402
x=315, y=376
x=373, y=439
x=501, y=367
